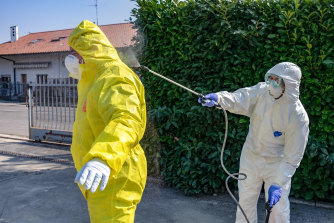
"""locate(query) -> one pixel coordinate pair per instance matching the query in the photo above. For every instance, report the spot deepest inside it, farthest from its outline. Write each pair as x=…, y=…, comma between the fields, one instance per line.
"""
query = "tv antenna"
x=96, y=5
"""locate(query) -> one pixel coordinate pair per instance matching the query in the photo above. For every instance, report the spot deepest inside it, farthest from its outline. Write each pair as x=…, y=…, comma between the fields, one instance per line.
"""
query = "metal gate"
x=52, y=105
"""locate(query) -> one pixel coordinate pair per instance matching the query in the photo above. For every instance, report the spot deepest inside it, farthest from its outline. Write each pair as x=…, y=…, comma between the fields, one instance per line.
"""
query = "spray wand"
x=204, y=100
x=173, y=82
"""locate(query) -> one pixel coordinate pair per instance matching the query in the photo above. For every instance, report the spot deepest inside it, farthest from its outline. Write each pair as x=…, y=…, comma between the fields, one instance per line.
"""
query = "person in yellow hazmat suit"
x=110, y=121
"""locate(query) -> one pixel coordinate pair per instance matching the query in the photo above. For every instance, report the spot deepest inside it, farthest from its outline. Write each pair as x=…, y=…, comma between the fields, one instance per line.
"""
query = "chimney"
x=14, y=33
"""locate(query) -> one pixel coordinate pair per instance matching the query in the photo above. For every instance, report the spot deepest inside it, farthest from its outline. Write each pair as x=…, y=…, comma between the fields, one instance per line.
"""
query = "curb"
x=319, y=204
x=22, y=138
x=55, y=158
x=26, y=139
x=156, y=180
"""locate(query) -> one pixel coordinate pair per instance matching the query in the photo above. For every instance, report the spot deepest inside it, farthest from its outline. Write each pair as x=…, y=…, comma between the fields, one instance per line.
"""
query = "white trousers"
x=260, y=170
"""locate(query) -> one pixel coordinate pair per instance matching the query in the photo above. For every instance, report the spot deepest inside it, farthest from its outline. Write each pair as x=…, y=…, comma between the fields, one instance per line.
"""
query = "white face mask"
x=73, y=66
x=275, y=92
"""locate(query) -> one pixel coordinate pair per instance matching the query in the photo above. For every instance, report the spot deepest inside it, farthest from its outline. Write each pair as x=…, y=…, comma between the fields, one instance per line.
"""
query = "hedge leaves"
x=214, y=45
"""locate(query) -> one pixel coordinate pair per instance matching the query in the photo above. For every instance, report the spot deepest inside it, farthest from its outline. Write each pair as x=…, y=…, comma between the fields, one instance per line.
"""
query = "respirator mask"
x=275, y=85
x=73, y=66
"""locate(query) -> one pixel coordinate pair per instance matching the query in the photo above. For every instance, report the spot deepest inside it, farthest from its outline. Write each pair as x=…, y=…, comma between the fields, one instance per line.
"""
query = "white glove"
x=92, y=173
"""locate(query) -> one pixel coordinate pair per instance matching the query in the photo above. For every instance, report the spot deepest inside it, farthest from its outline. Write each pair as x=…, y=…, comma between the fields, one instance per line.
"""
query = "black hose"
x=268, y=211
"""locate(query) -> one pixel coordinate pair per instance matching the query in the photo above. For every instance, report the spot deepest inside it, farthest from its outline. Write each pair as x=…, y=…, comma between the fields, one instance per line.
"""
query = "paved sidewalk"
x=36, y=186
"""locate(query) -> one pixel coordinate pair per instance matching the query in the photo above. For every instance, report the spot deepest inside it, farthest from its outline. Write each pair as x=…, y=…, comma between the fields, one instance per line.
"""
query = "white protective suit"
x=266, y=158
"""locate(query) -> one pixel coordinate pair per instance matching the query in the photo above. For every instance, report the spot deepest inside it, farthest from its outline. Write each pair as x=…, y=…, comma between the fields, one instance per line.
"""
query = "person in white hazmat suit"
x=275, y=144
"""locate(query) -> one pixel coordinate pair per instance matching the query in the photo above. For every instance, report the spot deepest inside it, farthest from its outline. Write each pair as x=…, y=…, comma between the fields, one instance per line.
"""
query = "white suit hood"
x=291, y=74
x=276, y=140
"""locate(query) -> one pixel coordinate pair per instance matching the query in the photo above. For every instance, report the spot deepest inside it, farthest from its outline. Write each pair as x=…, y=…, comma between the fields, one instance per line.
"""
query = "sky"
x=33, y=16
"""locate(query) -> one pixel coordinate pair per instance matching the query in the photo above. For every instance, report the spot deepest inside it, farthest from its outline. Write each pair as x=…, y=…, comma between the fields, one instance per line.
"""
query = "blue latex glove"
x=212, y=100
x=274, y=194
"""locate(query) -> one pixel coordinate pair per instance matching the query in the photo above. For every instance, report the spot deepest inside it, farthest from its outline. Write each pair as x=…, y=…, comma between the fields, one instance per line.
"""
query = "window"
x=42, y=78
x=35, y=41
x=58, y=39
x=5, y=78
x=4, y=81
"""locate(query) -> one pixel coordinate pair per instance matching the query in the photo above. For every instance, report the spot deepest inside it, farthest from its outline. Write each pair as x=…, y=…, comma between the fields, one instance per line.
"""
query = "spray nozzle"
x=267, y=207
x=144, y=67
x=204, y=100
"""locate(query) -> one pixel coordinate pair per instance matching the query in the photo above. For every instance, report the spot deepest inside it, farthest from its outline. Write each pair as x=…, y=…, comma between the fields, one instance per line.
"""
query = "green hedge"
x=214, y=45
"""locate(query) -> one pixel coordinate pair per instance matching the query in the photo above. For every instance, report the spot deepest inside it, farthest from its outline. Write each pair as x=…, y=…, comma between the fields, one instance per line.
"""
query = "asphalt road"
x=14, y=119
x=39, y=191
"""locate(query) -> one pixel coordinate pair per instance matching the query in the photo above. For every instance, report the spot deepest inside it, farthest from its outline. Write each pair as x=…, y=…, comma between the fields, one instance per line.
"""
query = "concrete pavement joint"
x=23, y=174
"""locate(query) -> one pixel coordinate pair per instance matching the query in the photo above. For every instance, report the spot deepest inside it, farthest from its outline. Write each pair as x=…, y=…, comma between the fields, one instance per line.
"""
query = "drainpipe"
x=14, y=69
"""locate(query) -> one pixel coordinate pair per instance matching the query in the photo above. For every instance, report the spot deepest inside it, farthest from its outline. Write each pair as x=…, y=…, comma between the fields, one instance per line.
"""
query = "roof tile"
x=120, y=35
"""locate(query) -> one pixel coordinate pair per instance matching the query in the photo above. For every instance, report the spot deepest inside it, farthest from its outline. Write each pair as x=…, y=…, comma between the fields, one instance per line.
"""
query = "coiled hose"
x=230, y=175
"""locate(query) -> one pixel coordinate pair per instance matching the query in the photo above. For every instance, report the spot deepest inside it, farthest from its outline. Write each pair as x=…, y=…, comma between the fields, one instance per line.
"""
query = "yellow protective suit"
x=110, y=121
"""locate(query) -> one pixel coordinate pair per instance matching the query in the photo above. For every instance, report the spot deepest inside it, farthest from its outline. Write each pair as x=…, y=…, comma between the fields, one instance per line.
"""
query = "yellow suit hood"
x=91, y=43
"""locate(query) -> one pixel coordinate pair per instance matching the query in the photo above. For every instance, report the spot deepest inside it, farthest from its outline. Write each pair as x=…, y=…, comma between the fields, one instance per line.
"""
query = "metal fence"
x=52, y=106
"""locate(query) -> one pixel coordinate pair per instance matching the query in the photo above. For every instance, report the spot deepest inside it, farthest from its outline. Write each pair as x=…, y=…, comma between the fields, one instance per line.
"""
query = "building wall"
x=56, y=68
x=6, y=68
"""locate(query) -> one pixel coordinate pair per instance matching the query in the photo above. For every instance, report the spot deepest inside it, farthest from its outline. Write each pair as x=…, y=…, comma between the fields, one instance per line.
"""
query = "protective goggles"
x=273, y=79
